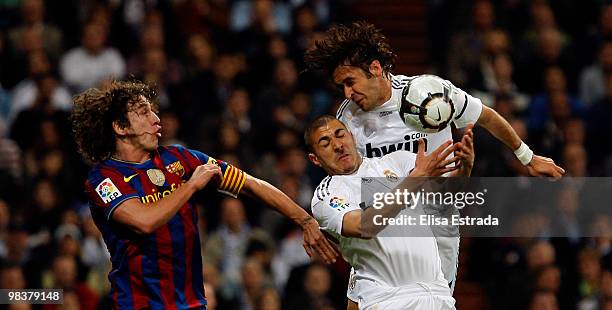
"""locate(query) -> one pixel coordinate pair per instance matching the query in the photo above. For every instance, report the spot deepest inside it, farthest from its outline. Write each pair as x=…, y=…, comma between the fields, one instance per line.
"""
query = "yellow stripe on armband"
x=229, y=172
x=238, y=182
x=233, y=180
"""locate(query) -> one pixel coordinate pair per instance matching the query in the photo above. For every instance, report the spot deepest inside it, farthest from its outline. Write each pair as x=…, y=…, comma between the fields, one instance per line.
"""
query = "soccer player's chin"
x=152, y=146
x=346, y=163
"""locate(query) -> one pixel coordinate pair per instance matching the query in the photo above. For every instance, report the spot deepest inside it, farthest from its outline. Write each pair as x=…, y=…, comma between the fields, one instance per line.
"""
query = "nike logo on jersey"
x=127, y=179
x=439, y=116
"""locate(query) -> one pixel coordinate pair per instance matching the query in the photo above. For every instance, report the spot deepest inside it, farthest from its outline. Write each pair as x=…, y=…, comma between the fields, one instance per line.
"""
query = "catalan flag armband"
x=233, y=181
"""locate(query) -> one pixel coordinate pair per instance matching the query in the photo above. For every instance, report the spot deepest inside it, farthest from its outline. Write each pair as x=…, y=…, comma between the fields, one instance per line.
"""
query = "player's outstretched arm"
x=145, y=219
x=499, y=127
x=314, y=240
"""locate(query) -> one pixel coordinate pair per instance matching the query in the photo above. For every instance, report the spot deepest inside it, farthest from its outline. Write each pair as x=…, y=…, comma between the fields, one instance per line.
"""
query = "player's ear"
x=118, y=129
x=314, y=159
x=376, y=68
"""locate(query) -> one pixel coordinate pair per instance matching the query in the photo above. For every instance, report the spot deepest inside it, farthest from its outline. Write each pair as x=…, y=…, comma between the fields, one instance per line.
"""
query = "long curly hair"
x=356, y=45
x=95, y=110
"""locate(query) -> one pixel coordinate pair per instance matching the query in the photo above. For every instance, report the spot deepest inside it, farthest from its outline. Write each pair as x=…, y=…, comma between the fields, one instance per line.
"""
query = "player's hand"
x=541, y=166
x=434, y=164
x=203, y=174
x=315, y=241
x=465, y=151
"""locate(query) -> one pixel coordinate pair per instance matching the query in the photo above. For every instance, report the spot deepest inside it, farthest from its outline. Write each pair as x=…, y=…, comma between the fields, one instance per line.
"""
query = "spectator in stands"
x=598, y=35
x=599, y=120
x=549, y=111
x=268, y=299
x=497, y=80
x=467, y=46
x=64, y=276
x=26, y=93
x=226, y=247
x=543, y=300
x=593, y=78
x=34, y=33
x=10, y=160
x=11, y=277
x=316, y=286
x=171, y=129
x=237, y=111
x=575, y=159
x=88, y=65
x=253, y=282
x=549, y=49
x=590, y=275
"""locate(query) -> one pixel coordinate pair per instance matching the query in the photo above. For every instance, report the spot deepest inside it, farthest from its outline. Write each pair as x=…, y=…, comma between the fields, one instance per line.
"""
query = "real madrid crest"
x=390, y=175
x=156, y=176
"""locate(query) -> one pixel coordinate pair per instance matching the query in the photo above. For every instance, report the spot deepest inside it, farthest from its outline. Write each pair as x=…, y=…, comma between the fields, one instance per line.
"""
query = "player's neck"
x=129, y=152
x=387, y=91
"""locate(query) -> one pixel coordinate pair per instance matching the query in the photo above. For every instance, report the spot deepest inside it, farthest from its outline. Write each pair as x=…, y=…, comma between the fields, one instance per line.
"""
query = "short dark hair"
x=318, y=122
x=95, y=110
x=356, y=45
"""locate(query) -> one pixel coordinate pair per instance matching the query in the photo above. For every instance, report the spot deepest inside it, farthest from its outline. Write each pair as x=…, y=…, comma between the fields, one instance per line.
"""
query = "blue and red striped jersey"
x=161, y=270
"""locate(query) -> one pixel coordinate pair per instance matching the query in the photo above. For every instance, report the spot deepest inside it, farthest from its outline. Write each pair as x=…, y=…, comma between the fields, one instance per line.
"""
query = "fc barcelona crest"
x=176, y=168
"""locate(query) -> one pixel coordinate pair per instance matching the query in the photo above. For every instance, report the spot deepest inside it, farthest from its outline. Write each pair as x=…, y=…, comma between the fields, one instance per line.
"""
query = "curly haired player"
x=140, y=198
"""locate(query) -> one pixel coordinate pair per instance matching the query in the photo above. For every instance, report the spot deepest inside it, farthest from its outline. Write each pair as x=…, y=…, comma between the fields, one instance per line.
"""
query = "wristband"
x=524, y=154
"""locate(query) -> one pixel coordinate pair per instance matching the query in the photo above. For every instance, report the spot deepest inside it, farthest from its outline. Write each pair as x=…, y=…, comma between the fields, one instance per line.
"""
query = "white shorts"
x=418, y=296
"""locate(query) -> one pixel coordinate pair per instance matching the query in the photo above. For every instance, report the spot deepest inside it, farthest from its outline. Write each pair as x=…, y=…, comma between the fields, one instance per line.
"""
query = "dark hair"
x=95, y=110
x=356, y=45
x=318, y=122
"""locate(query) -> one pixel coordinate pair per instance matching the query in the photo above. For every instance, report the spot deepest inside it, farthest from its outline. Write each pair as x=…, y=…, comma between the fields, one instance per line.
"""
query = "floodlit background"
x=229, y=78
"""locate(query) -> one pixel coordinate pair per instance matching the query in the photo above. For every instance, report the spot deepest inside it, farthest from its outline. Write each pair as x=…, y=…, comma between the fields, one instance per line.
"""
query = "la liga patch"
x=107, y=190
x=337, y=203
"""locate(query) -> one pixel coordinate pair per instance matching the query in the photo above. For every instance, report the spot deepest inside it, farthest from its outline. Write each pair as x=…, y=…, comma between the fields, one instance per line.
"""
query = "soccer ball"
x=425, y=105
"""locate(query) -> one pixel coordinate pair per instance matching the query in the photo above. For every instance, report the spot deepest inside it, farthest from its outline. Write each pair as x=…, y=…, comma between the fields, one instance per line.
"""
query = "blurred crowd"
x=229, y=74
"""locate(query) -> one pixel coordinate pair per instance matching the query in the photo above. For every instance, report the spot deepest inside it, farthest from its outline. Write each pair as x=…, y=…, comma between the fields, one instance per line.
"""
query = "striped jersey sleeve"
x=330, y=202
x=233, y=178
x=400, y=81
x=343, y=106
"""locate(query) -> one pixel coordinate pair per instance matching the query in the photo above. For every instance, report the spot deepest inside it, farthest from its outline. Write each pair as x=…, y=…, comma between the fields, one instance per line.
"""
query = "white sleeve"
x=404, y=160
x=330, y=211
x=467, y=107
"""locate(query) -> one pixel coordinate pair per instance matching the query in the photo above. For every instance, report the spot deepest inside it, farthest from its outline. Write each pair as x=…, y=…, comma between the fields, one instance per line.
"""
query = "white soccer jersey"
x=382, y=131
x=382, y=264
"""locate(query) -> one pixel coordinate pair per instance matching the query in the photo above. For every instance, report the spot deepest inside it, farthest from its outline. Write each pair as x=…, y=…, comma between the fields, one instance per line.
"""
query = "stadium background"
x=230, y=84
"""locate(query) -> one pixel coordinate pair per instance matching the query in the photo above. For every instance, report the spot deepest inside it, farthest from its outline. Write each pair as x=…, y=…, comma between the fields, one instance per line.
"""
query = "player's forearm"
x=166, y=208
x=276, y=199
x=367, y=227
x=145, y=219
x=499, y=128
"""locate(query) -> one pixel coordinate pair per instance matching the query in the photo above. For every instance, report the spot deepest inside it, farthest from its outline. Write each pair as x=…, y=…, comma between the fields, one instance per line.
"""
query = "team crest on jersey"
x=107, y=190
x=337, y=203
x=390, y=175
x=176, y=168
x=156, y=176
